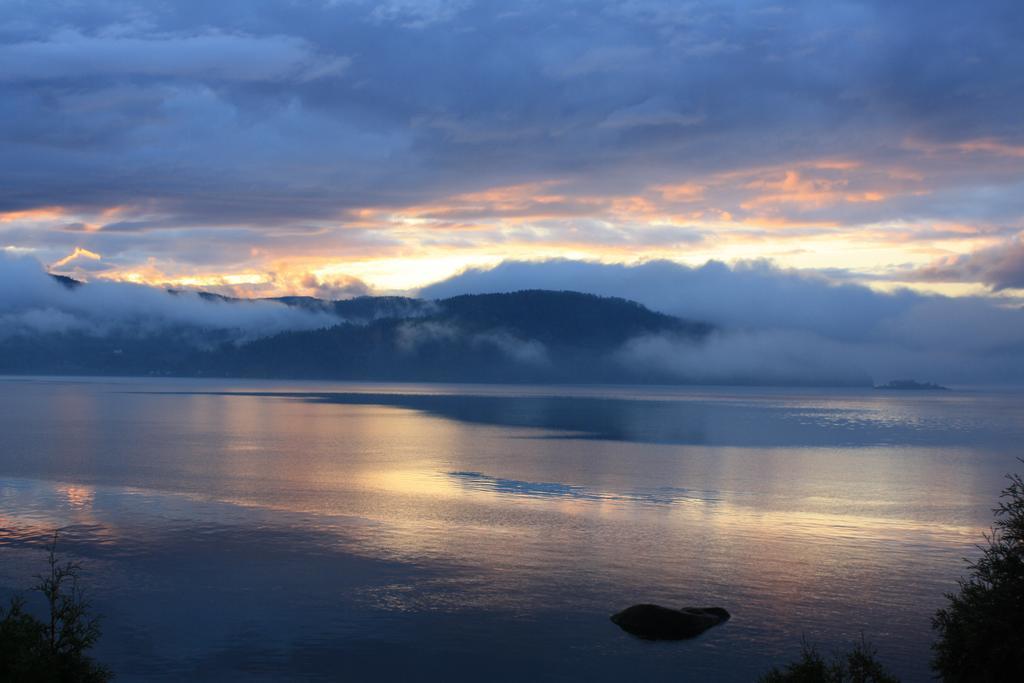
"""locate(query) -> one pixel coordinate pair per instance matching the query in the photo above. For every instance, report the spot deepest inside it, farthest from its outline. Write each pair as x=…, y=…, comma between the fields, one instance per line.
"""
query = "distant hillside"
x=528, y=336
x=362, y=309
x=563, y=318
x=534, y=336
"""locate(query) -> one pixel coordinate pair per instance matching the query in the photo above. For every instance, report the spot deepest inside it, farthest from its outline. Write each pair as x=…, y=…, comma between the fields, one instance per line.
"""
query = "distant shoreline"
x=911, y=385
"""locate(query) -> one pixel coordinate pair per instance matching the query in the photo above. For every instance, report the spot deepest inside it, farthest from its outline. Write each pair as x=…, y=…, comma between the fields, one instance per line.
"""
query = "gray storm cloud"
x=196, y=109
x=783, y=326
x=210, y=54
x=31, y=301
x=1000, y=267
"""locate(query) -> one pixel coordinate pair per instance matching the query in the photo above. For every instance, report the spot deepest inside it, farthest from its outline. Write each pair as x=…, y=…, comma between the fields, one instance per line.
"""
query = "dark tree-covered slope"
x=535, y=336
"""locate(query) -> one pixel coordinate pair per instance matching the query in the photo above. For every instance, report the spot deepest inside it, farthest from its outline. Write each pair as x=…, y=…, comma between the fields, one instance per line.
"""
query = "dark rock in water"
x=655, y=622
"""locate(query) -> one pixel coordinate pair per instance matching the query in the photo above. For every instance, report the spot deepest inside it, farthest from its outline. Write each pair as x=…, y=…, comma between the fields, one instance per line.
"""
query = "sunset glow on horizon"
x=303, y=156
x=795, y=216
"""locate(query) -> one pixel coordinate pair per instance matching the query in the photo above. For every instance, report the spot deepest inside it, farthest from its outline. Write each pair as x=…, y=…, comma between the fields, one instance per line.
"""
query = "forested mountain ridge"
x=532, y=335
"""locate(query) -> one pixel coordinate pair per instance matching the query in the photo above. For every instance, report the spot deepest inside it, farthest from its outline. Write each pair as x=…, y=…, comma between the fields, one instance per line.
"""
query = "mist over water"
x=783, y=326
x=32, y=302
x=767, y=326
x=478, y=532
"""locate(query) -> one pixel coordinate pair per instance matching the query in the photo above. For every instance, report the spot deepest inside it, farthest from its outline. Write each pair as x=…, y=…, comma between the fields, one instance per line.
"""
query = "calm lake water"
x=305, y=531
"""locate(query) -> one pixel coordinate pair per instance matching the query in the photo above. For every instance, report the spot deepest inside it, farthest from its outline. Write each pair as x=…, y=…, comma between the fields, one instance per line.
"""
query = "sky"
x=341, y=147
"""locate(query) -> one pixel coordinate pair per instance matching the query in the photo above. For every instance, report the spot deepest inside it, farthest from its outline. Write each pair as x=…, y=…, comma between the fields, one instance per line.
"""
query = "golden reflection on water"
x=78, y=497
x=392, y=465
x=566, y=519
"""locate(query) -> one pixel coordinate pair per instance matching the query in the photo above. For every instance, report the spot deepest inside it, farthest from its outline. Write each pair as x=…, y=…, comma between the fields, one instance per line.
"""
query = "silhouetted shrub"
x=856, y=666
x=34, y=651
x=981, y=631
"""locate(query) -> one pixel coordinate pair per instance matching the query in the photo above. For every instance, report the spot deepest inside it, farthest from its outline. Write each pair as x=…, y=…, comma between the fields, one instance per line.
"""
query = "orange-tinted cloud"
x=76, y=254
x=834, y=207
x=991, y=146
x=794, y=188
x=42, y=213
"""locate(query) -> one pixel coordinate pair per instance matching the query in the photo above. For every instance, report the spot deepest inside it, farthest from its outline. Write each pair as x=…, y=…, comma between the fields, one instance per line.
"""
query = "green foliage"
x=23, y=644
x=856, y=666
x=981, y=631
x=54, y=650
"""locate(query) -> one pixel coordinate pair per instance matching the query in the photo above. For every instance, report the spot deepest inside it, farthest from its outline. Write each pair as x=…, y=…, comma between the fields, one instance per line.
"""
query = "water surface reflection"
x=241, y=531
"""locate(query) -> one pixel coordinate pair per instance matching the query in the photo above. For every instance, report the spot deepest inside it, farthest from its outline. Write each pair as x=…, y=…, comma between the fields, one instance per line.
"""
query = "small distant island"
x=911, y=385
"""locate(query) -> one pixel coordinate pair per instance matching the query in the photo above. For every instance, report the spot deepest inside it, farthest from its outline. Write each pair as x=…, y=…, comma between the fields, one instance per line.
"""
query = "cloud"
x=412, y=335
x=784, y=326
x=69, y=55
x=795, y=357
x=652, y=112
x=417, y=14
x=767, y=356
x=334, y=288
x=32, y=301
x=1000, y=267
x=43, y=321
x=772, y=325
x=525, y=351
x=750, y=295
x=254, y=118
x=76, y=254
